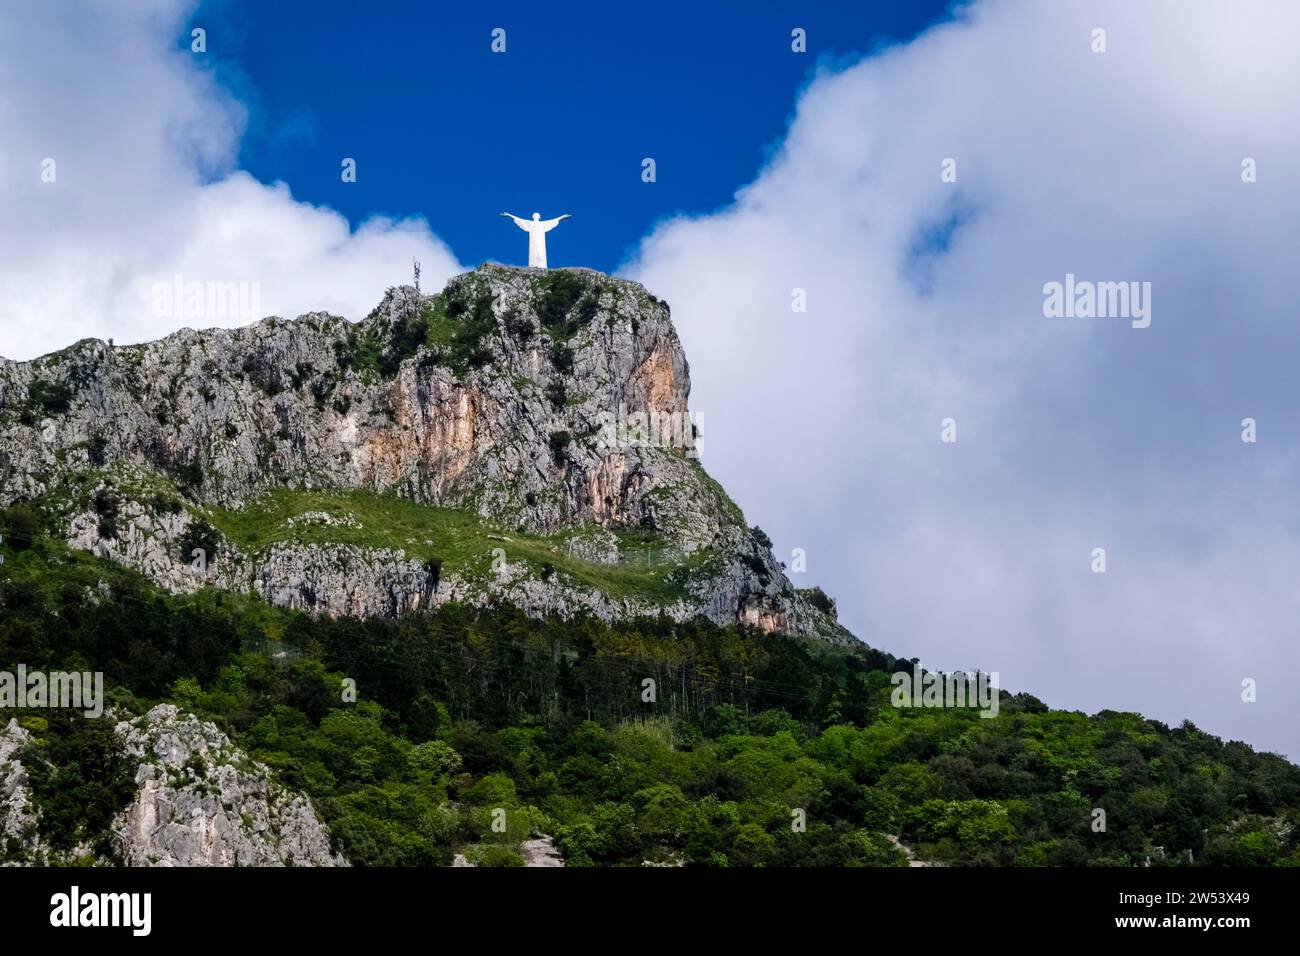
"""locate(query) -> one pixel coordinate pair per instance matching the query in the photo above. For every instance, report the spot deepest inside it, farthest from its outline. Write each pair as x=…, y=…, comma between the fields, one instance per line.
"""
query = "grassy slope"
x=462, y=542
x=459, y=539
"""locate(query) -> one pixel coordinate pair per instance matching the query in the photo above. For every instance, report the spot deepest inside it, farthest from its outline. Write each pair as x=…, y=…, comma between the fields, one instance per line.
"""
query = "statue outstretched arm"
x=518, y=222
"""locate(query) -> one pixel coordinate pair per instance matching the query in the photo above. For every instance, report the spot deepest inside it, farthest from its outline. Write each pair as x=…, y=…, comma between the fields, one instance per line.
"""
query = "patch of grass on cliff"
x=453, y=325
x=566, y=302
x=457, y=324
x=724, y=500
x=77, y=491
x=460, y=540
x=45, y=399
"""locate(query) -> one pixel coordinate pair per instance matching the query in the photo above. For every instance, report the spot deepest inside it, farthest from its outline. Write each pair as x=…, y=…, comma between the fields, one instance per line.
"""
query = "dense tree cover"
x=78, y=779
x=469, y=719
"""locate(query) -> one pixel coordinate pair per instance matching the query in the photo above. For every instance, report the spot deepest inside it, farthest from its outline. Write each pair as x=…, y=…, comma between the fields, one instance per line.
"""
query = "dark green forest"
x=462, y=712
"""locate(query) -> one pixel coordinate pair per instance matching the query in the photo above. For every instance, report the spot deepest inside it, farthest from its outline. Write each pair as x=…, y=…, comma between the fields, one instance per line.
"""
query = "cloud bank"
x=144, y=144
x=925, y=302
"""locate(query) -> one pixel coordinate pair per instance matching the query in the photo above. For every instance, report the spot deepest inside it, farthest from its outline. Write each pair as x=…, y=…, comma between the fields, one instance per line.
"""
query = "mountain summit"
x=522, y=435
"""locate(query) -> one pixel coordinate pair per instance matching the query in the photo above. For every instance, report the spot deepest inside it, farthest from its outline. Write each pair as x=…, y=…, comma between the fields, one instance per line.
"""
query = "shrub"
x=20, y=525
x=45, y=399
x=264, y=372
x=460, y=321
x=190, y=475
x=106, y=507
x=434, y=757
x=562, y=358
x=588, y=306
x=433, y=570
x=560, y=293
x=53, y=398
x=407, y=335
x=559, y=442
x=757, y=567
x=494, y=854
x=519, y=326
x=95, y=450
x=820, y=600
x=79, y=779
x=199, y=535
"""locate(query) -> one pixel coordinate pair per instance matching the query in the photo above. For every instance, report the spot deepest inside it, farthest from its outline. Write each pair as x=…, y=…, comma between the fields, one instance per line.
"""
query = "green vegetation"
x=721, y=499
x=95, y=450
x=79, y=779
x=464, y=713
x=557, y=394
x=561, y=357
x=358, y=351
x=262, y=369
x=820, y=600
x=22, y=523
x=559, y=443
x=44, y=399
x=566, y=302
x=454, y=325
x=459, y=540
x=458, y=324
x=559, y=293
x=103, y=490
x=199, y=536
x=106, y=507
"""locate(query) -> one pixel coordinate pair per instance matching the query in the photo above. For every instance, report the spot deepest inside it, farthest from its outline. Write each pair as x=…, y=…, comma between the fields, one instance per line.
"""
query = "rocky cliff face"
x=548, y=406
x=199, y=802
x=18, y=821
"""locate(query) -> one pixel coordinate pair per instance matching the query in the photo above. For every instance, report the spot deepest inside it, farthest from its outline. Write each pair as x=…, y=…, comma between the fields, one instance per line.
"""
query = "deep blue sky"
x=442, y=127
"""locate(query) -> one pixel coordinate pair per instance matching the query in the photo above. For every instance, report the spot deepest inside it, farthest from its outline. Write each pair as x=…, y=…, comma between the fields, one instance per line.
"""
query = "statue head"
x=536, y=216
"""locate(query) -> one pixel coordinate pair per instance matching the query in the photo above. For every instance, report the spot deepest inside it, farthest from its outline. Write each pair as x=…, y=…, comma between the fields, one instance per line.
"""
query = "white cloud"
x=144, y=142
x=1072, y=434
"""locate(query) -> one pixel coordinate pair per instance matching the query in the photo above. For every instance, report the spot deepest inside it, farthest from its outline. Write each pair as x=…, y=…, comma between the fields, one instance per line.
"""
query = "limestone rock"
x=201, y=802
x=494, y=397
x=540, y=852
x=17, y=818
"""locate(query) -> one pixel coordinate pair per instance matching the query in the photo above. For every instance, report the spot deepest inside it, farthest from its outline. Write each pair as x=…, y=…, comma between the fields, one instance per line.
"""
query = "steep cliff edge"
x=202, y=802
x=197, y=800
x=521, y=435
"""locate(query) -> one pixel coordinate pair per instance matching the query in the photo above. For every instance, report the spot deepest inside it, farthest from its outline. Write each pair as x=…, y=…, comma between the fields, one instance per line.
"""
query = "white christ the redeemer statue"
x=537, y=228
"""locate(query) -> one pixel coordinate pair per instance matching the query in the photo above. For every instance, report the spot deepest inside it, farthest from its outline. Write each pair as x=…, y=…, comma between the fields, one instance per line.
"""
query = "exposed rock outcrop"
x=202, y=802
x=199, y=801
x=540, y=851
x=532, y=400
x=17, y=817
